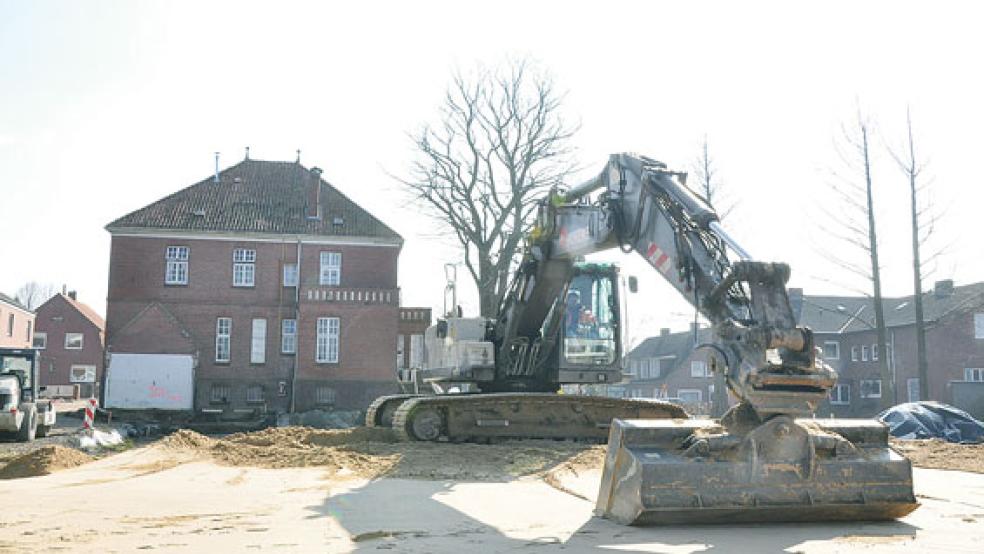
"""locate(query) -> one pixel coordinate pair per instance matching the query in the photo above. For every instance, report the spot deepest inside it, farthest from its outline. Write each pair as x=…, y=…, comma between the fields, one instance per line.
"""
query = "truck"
x=23, y=413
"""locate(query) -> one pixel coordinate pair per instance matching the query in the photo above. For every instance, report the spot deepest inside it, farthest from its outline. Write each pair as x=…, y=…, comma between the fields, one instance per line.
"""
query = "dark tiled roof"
x=844, y=314
x=86, y=311
x=268, y=197
x=12, y=301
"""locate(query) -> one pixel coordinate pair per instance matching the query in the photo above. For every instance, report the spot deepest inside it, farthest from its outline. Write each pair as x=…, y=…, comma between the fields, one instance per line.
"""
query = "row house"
x=281, y=289
x=669, y=366
x=16, y=323
x=844, y=329
x=70, y=336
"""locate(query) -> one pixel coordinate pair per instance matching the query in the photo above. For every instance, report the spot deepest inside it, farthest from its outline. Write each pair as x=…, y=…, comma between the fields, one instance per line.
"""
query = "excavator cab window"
x=590, y=320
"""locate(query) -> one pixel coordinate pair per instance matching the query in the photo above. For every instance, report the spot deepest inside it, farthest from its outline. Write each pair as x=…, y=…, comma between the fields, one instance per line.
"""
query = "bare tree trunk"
x=887, y=396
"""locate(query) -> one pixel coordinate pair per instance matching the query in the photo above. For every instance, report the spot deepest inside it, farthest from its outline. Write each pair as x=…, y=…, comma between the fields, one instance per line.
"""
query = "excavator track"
x=380, y=412
x=483, y=417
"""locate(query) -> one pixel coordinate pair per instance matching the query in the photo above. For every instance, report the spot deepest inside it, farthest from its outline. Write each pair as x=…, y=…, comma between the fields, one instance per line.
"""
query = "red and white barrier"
x=90, y=413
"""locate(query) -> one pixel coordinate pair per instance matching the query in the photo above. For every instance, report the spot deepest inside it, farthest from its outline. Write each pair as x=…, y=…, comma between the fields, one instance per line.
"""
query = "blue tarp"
x=932, y=420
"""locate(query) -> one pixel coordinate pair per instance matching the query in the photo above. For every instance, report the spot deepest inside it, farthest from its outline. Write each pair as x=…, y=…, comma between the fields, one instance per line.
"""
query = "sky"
x=107, y=106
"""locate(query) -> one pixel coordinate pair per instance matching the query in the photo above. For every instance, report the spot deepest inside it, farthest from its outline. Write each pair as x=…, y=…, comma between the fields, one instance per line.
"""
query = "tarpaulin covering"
x=932, y=420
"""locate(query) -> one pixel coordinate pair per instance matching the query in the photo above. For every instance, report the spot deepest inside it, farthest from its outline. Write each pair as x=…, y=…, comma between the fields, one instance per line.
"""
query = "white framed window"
x=254, y=394
x=219, y=394
x=74, y=341
x=331, y=269
x=82, y=374
x=840, y=394
x=871, y=388
x=643, y=368
x=401, y=363
x=326, y=345
x=698, y=368
x=176, y=265
x=28, y=336
x=290, y=275
x=854, y=353
x=10, y=325
x=288, y=336
x=324, y=395
x=690, y=396
x=257, y=350
x=874, y=352
x=243, y=267
x=40, y=341
x=864, y=353
x=974, y=374
x=223, y=334
x=979, y=326
x=831, y=350
x=416, y=351
x=912, y=388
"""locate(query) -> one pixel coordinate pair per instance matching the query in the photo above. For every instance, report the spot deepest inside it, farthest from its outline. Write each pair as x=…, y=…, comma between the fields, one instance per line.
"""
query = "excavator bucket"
x=660, y=472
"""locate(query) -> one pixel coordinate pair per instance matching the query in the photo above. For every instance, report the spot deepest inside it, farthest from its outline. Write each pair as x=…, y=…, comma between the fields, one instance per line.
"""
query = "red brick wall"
x=56, y=317
x=18, y=337
x=367, y=342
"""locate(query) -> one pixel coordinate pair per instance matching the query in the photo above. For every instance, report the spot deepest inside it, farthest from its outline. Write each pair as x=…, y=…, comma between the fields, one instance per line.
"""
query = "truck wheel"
x=29, y=425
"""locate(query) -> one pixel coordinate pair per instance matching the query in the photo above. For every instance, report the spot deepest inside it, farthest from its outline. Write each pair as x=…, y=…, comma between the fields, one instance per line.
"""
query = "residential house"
x=71, y=336
x=668, y=366
x=281, y=289
x=16, y=324
x=844, y=329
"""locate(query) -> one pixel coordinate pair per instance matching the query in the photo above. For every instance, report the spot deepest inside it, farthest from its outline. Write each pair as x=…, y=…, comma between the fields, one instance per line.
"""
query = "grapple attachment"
x=661, y=472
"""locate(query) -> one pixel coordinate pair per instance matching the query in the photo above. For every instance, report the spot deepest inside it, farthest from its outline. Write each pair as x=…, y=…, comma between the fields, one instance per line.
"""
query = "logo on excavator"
x=659, y=259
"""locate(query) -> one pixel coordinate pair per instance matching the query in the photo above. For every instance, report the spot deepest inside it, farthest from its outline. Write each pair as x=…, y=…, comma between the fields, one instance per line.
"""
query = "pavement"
x=147, y=499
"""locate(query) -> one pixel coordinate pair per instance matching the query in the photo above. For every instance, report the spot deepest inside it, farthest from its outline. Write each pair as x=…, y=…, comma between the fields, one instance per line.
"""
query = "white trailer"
x=150, y=382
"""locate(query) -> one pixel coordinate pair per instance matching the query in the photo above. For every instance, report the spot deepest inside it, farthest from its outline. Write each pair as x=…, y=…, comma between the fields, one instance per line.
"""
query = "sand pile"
x=43, y=461
x=372, y=452
x=939, y=454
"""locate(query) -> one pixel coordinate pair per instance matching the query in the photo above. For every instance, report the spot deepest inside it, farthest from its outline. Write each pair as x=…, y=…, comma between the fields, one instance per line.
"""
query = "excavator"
x=767, y=459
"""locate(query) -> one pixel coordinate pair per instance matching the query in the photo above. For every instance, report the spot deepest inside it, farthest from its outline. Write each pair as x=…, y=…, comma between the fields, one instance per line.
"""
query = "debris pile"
x=43, y=461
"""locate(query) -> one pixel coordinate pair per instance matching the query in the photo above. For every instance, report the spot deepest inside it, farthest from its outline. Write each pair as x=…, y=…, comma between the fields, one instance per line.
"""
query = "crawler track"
x=481, y=417
x=380, y=412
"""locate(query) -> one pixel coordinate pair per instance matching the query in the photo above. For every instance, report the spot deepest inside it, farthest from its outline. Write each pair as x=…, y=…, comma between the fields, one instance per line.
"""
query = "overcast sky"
x=108, y=106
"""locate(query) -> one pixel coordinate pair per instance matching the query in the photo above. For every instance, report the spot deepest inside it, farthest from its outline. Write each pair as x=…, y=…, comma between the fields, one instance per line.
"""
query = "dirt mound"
x=939, y=454
x=373, y=452
x=186, y=439
x=43, y=461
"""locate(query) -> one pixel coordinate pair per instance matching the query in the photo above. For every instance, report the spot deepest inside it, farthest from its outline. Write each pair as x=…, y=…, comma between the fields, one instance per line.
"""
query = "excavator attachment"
x=660, y=472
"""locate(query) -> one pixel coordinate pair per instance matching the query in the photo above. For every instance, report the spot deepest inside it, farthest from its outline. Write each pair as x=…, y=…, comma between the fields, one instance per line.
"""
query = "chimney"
x=216, y=167
x=664, y=331
x=73, y=294
x=64, y=288
x=943, y=288
x=314, y=194
x=796, y=301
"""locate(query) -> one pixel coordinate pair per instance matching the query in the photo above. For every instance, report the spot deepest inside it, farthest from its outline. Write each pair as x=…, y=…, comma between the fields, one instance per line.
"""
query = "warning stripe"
x=658, y=258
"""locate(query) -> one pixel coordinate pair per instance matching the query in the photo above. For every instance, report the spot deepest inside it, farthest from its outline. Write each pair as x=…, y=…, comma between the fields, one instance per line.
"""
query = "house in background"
x=16, y=324
x=277, y=289
x=71, y=336
x=667, y=366
x=844, y=327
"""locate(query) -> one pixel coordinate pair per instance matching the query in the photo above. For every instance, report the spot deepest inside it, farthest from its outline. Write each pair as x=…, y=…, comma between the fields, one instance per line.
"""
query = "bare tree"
x=709, y=185
x=32, y=294
x=500, y=143
x=855, y=230
x=923, y=221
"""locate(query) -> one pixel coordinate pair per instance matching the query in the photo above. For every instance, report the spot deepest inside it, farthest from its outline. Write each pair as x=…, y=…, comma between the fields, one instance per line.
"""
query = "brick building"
x=281, y=289
x=410, y=340
x=16, y=324
x=71, y=337
x=668, y=366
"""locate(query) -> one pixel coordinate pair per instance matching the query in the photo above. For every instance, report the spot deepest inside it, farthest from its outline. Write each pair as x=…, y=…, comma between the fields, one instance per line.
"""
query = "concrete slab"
x=143, y=500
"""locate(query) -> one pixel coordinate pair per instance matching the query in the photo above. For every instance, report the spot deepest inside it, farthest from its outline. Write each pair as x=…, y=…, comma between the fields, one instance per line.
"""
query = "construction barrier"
x=90, y=413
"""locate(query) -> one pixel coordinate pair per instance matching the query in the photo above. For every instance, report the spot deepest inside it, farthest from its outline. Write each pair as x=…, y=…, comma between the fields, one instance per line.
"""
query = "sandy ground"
x=940, y=454
x=329, y=491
